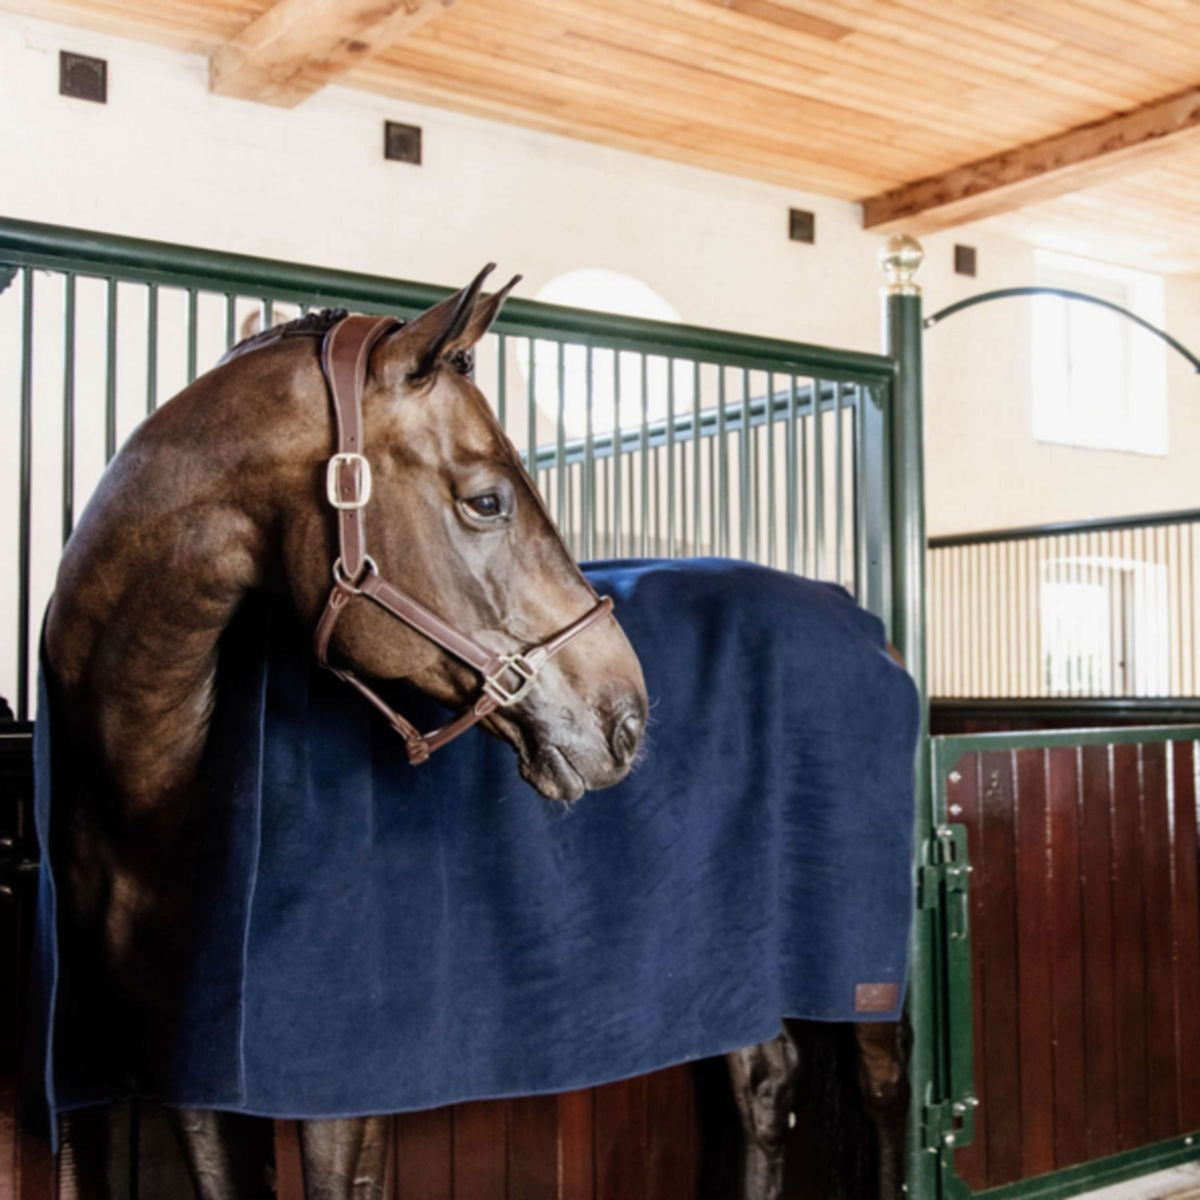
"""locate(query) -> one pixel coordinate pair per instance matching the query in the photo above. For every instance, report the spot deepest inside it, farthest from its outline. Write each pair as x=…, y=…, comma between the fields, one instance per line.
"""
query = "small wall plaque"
x=964, y=260
x=82, y=77
x=402, y=143
x=802, y=225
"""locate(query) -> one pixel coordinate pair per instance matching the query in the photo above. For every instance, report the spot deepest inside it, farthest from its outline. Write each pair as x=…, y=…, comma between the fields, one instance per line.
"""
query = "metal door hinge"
x=946, y=866
x=950, y=1124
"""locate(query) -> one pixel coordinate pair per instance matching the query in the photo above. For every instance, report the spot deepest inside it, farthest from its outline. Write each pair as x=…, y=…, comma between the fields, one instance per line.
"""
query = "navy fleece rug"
x=378, y=937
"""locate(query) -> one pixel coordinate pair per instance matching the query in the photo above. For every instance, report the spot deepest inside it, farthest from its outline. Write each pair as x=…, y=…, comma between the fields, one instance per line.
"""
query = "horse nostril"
x=626, y=737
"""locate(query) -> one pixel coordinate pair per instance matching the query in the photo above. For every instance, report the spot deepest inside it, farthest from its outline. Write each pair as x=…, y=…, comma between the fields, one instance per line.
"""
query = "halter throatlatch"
x=506, y=678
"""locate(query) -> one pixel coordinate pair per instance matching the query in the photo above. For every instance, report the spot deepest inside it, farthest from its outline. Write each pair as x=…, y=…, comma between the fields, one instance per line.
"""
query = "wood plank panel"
x=1066, y=942
x=1036, y=967
x=1086, y=156
x=620, y=1132
x=1098, y=978
x=289, y=1173
x=1161, y=1054
x=423, y=1152
x=671, y=1134
x=844, y=97
x=296, y=47
x=533, y=1165
x=576, y=1146
x=1107, y=910
x=481, y=1150
x=1187, y=931
x=998, y=935
x=1129, y=930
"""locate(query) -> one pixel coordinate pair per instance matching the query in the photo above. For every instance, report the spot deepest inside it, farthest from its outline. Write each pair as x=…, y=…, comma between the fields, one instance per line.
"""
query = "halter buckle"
x=353, y=587
x=520, y=666
x=362, y=480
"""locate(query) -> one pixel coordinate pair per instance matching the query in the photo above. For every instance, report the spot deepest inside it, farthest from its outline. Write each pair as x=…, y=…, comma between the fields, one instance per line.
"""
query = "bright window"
x=1105, y=624
x=1100, y=381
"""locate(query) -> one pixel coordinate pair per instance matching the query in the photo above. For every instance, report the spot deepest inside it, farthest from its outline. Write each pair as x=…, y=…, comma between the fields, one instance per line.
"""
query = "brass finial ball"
x=901, y=257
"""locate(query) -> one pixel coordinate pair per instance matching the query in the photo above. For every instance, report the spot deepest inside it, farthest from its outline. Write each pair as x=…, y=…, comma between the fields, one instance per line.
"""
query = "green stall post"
x=900, y=259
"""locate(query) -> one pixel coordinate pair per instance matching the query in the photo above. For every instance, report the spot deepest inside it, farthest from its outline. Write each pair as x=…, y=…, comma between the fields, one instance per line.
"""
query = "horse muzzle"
x=572, y=754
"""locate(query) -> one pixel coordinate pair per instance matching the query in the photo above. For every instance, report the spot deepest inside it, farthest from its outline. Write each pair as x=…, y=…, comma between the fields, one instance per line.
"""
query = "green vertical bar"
x=68, y=430
x=856, y=573
x=531, y=412
x=151, y=348
x=560, y=440
x=566, y=482
x=902, y=340
x=805, y=422
x=230, y=319
x=24, y=514
x=193, y=302
x=755, y=490
x=790, y=483
x=873, y=430
x=607, y=533
x=501, y=380
x=771, y=530
x=670, y=458
x=656, y=494
x=697, y=464
x=722, y=468
x=838, y=484
x=110, y=376
x=873, y=513
x=712, y=504
x=744, y=481
x=818, y=482
x=683, y=498
x=618, y=514
x=644, y=442
x=588, y=533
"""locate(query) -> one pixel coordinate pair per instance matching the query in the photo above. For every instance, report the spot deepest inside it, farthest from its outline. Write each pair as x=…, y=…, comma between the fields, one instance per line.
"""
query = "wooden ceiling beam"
x=296, y=47
x=1055, y=166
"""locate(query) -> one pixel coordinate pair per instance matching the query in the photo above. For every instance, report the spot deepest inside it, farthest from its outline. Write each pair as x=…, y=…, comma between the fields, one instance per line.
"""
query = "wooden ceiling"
x=858, y=99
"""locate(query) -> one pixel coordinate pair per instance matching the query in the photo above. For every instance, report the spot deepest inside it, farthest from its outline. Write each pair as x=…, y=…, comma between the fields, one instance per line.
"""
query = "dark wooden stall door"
x=1085, y=920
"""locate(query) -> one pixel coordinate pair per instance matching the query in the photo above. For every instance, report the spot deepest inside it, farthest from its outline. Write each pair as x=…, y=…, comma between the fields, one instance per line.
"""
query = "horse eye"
x=486, y=505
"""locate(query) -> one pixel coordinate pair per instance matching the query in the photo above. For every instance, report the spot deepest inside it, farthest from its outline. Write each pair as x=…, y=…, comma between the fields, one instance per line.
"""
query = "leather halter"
x=506, y=678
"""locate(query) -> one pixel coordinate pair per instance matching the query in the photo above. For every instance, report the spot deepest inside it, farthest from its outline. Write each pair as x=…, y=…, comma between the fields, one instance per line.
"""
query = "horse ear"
x=456, y=323
x=427, y=338
x=486, y=310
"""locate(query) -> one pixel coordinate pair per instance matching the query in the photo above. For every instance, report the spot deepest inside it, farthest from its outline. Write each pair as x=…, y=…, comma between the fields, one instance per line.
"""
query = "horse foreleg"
x=764, y=1079
x=344, y=1158
x=229, y=1156
x=883, y=1080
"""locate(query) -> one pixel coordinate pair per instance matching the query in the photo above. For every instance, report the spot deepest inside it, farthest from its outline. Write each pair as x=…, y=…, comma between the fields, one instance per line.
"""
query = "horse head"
x=455, y=519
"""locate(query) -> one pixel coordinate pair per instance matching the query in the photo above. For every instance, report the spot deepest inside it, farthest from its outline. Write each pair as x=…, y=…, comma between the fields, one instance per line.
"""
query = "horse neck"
x=154, y=573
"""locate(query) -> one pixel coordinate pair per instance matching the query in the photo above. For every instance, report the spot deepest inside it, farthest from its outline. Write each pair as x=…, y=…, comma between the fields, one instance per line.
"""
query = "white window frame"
x=1132, y=416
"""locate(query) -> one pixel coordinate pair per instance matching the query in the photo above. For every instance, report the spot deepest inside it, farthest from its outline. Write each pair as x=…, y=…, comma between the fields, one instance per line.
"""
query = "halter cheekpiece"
x=506, y=678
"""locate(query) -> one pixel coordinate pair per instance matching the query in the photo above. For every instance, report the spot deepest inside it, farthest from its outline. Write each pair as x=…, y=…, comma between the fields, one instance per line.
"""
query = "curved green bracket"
x=1066, y=294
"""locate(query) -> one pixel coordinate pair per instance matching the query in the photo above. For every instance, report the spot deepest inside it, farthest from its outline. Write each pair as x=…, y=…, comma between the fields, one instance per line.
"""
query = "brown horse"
x=847, y=1086
x=221, y=492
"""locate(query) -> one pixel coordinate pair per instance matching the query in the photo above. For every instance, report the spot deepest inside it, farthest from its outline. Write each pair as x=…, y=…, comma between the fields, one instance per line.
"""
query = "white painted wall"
x=164, y=159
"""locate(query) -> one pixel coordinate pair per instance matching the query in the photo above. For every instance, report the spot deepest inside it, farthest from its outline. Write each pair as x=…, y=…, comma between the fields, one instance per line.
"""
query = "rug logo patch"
x=876, y=997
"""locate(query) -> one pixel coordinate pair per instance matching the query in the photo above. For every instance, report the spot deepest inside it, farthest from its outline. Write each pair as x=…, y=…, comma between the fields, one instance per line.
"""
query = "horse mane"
x=316, y=325
x=313, y=324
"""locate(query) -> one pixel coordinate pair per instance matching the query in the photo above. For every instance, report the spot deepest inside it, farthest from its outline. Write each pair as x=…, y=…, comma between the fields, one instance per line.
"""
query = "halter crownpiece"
x=506, y=678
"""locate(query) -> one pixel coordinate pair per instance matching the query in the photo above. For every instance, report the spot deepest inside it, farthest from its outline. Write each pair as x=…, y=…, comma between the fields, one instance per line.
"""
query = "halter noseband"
x=507, y=678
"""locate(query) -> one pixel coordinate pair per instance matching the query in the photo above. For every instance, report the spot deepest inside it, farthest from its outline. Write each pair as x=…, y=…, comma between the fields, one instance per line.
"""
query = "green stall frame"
x=804, y=457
